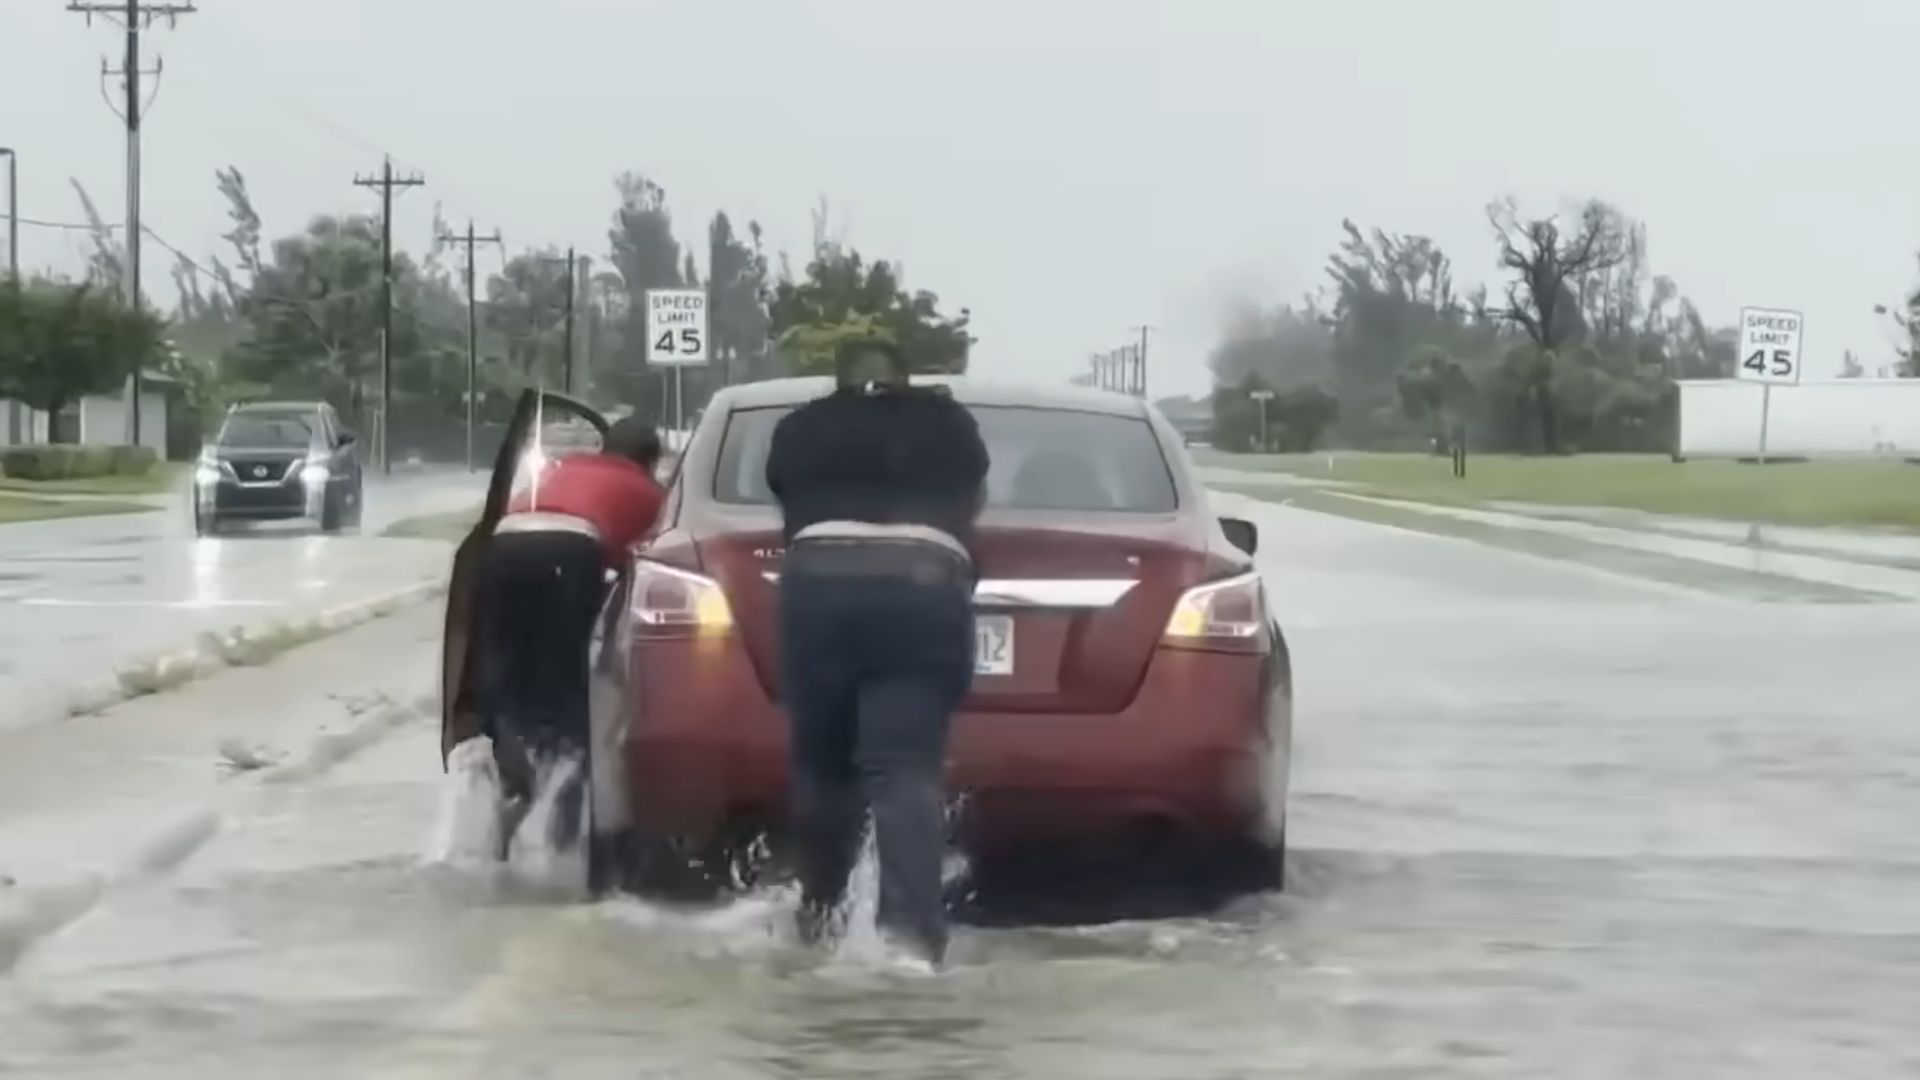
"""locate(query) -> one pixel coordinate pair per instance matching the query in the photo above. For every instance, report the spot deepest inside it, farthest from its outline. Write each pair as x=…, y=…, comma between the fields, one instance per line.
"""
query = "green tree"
x=1906, y=321
x=1620, y=335
x=1546, y=259
x=738, y=293
x=1285, y=346
x=314, y=311
x=1237, y=426
x=842, y=292
x=1300, y=417
x=811, y=347
x=526, y=311
x=106, y=265
x=645, y=256
x=60, y=342
x=1294, y=420
x=1436, y=391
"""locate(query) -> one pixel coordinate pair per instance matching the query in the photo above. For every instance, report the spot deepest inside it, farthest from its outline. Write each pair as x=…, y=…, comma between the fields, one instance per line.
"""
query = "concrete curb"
x=239, y=646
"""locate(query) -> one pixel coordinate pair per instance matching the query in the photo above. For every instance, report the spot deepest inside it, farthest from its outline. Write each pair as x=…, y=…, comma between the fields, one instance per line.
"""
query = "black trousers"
x=537, y=597
x=878, y=652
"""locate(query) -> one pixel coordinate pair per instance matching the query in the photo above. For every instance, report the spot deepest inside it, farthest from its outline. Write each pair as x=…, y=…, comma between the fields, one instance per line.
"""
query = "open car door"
x=544, y=426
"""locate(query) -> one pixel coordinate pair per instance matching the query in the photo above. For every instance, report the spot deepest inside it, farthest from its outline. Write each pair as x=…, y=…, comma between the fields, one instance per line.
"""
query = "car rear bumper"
x=1203, y=746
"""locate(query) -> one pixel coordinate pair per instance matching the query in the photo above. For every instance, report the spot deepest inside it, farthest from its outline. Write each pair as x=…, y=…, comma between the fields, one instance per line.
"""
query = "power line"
x=74, y=226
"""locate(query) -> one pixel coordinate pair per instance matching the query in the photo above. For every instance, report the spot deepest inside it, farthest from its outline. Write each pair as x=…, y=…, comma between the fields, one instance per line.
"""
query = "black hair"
x=869, y=362
x=634, y=439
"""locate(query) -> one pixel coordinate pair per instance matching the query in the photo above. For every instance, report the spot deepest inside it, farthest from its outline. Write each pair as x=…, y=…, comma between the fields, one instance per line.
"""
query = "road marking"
x=69, y=602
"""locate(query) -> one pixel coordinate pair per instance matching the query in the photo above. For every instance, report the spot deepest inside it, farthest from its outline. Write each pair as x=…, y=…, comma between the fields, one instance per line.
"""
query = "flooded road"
x=1547, y=821
x=81, y=596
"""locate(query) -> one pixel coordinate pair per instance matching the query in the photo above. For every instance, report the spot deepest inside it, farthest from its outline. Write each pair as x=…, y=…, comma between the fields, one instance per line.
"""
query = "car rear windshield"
x=290, y=430
x=1042, y=459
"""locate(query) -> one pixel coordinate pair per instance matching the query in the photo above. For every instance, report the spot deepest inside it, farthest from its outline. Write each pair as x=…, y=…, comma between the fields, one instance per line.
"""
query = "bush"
x=132, y=460
x=75, y=462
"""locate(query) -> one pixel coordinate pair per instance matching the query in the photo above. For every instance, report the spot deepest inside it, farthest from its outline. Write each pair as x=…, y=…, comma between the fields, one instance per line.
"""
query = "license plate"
x=993, y=645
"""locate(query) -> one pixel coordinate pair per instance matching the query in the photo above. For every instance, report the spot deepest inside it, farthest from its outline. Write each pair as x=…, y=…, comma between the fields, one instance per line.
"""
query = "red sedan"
x=1129, y=675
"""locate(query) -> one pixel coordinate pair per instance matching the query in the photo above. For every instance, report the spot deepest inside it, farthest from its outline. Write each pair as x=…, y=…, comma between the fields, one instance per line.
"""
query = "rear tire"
x=329, y=514
x=647, y=864
x=1254, y=865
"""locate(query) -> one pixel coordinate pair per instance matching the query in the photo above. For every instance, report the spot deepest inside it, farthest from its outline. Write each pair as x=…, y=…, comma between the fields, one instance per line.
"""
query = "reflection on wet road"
x=1547, y=822
x=82, y=595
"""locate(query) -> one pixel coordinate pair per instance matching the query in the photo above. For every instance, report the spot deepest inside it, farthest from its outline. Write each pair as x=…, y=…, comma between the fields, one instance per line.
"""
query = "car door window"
x=545, y=426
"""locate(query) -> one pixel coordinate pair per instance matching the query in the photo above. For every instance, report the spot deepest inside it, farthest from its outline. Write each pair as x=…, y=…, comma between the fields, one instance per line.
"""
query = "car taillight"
x=669, y=602
x=1221, y=614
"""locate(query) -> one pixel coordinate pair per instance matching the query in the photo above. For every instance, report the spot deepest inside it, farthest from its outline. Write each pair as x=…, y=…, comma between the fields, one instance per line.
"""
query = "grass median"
x=451, y=527
x=161, y=479
x=1883, y=494
x=22, y=508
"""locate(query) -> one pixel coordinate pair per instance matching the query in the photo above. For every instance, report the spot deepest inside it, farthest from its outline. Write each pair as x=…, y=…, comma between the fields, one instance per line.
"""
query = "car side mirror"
x=348, y=438
x=1241, y=533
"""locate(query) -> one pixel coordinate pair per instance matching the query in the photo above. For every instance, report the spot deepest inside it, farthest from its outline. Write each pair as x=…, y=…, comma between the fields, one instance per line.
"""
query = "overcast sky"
x=1065, y=168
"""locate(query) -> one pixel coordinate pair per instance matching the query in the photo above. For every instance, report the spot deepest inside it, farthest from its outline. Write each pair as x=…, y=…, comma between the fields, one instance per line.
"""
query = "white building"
x=97, y=420
x=1818, y=418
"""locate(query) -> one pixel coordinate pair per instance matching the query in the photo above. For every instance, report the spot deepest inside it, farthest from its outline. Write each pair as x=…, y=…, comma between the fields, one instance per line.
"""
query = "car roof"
x=967, y=390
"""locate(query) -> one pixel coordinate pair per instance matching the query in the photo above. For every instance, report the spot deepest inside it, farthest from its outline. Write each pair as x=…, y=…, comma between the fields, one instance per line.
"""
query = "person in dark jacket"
x=879, y=484
x=540, y=586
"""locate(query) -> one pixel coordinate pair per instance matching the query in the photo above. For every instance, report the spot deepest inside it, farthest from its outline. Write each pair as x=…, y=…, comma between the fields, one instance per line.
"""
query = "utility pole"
x=1140, y=383
x=566, y=367
x=473, y=326
x=135, y=16
x=13, y=212
x=386, y=182
x=573, y=266
x=13, y=264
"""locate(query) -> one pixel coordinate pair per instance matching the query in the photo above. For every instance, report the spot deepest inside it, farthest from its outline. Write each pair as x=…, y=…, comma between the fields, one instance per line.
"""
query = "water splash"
x=863, y=950
x=468, y=830
x=547, y=851
x=862, y=940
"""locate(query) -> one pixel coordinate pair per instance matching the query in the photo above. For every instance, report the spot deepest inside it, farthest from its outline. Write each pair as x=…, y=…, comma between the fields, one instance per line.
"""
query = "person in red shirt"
x=540, y=586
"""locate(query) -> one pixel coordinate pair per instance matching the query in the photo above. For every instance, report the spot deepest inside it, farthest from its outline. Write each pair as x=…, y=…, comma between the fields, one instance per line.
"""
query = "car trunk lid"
x=1083, y=601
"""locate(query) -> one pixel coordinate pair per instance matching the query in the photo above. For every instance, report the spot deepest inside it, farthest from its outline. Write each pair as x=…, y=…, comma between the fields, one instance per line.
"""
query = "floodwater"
x=1547, y=821
x=82, y=596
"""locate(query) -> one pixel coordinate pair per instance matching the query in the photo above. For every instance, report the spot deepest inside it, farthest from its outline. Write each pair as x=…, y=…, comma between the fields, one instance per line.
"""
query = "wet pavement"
x=1548, y=820
x=82, y=597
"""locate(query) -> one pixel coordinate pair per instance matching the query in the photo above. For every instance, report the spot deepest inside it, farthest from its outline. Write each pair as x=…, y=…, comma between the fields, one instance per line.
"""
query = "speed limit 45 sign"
x=1769, y=345
x=676, y=326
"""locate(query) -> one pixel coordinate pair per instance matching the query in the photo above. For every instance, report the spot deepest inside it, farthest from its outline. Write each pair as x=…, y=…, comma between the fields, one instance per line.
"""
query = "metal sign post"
x=1769, y=353
x=1766, y=415
x=1263, y=396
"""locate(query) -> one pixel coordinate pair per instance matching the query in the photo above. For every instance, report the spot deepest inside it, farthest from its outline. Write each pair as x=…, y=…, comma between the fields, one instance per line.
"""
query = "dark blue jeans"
x=878, y=651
